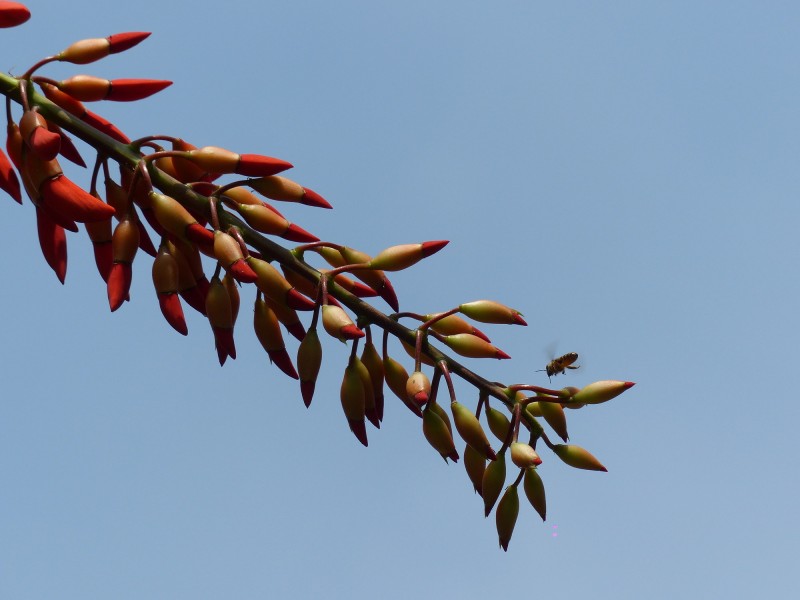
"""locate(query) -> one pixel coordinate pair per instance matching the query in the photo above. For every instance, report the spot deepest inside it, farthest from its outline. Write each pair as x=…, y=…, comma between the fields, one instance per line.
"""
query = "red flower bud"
x=281, y=188
x=124, y=244
x=67, y=199
x=338, y=324
x=220, y=316
x=13, y=14
x=268, y=332
x=89, y=89
x=53, y=242
x=9, y=182
x=219, y=160
x=309, y=360
x=166, y=277
x=100, y=234
x=38, y=138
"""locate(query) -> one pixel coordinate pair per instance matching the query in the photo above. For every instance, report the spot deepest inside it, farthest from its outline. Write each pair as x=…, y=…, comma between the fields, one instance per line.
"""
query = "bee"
x=561, y=364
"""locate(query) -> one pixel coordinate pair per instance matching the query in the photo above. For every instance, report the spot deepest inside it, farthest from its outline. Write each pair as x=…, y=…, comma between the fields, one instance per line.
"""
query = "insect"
x=561, y=364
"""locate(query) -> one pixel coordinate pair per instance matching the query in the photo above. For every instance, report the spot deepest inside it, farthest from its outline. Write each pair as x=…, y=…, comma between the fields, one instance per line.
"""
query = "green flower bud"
x=372, y=360
x=472, y=346
x=577, y=457
x=438, y=435
x=493, y=479
x=489, y=311
x=553, y=413
x=470, y=430
x=534, y=490
x=506, y=515
x=353, y=402
x=309, y=360
x=475, y=464
x=601, y=391
x=524, y=456
x=499, y=423
x=396, y=379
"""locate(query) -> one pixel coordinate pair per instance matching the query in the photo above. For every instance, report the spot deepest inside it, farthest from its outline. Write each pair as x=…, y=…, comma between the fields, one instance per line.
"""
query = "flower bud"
x=309, y=360
x=577, y=457
x=165, y=281
x=100, y=234
x=372, y=361
x=396, y=378
x=438, y=435
x=124, y=244
x=88, y=88
x=219, y=160
x=338, y=324
x=280, y=188
x=353, y=402
x=9, y=182
x=493, y=480
x=524, y=456
x=370, y=410
x=268, y=332
x=37, y=136
x=229, y=253
x=220, y=317
x=86, y=51
x=470, y=430
x=377, y=280
x=418, y=388
x=472, y=346
x=274, y=285
x=53, y=242
x=70, y=201
x=553, y=413
x=475, y=464
x=534, y=490
x=601, y=391
x=288, y=318
x=506, y=516
x=13, y=14
x=489, y=311
x=453, y=324
x=499, y=424
x=401, y=257
x=178, y=221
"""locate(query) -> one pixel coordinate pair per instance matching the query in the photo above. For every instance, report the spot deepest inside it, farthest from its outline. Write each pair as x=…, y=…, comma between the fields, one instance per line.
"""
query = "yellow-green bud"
x=469, y=428
x=489, y=311
x=472, y=346
x=353, y=402
x=418, y=388
x=499, y=423
x=524, y=456
x=553, y=413
x=396, y=379
x=601, y=391
x=438, y=435
x=577, y=457
x=309, y=360
x=493, y=479
x=534, y=490
x=475, y=464
x=506, y=515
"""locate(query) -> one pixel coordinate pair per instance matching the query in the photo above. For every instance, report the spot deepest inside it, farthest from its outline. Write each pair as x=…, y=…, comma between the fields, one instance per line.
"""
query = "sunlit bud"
x=37, y=136
x=601, y=391
x=304, y=286
x=338, y=324
x=534, y=490
x=453, y=324
x=233, y=293
x=577, y=457
x=396, y=378
x=178, y=221
x=439, y=410
x=470, y=430
x=220, y=316
x=352, y=396
x=372, y=361
x=268, y=332
x=489, y=311
x=9, y=182
x=566, y=394
x=499, y=424
x=239, y=195
x=493, y=479
x=86, y=51
x=124, y=244
x=472, y=346
x=219, y=160
x=165, y=281
x=88, y=88
x=535, y=409
x=280, y=188
x=64, y=197
x=309, y=360
x=274, y=285
x=288, y=318
x=354, y=287
x=370, y=410
x=377, y=280
x=506, y=516
x=186, y=170
x=189, y=262
x=13, y=14
x=53, y=242
x=475, y=464
x=524, y=456
x=397, y=258
x=553, y=413
x=438, y=435
x=100, y=234
x=262, y=219
x=229, y=253
x=418, y=388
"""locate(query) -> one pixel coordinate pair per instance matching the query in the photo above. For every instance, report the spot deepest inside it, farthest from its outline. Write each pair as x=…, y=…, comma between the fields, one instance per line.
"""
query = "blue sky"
x=623, y=174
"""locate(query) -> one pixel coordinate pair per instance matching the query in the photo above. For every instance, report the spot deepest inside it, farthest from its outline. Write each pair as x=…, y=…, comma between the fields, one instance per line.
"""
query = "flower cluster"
x=188, y=207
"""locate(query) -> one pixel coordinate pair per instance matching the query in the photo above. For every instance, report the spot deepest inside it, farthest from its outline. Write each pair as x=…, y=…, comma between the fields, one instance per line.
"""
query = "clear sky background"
x=623, y=173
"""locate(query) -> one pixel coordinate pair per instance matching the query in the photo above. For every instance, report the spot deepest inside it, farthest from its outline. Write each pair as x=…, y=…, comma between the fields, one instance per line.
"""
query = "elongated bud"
x=372, y=361
x=88, y=88
x=309, y=360
x=338, y=324
x=268, y=332
x=100, y=234
x=370, y=410
x=220, y=317
x=376, y=279
x=13, y=14
x=506, y=516
x=493, y=479
x=601, y=391
x=453, y=324
x=353, y=402
x=401, y=257
x=396, y=378
x=499, y=424
x=472, y=346
x=178, y=221
x=288, y=318
x=166, y=280
x=70, y=201
x=233, y=293
x=228, y=252
x=553, y=413
x=577, y=457
x=9, y=182
x=37, y=136
x=489, y=311
x=124, y=244
x=475, y=464
x=53, y=242
x=219, y=160
x=274, y=285
x=469, y=428
x=89, y=50
x=534, y=490
x=276, y=187
x=524, y=456
x=418, y=388
x=438, y=435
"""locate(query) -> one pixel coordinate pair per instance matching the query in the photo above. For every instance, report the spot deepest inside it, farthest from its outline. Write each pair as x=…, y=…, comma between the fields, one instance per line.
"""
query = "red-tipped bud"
x=38, y=137
x=178, y=221
x=493, y=479
x=601, y=391
x=309, y=360
x=9, y=182
x=534, y=490
x=396, y=378
x=124, y=244
x=470, y=430
x=438, y=434
x=418, y=388
x=281, y=188
x=53, y=242
x=553, y=413
x=295, y=233
x=268, y=332
x=453, y=324
x=87, y=88
x=220, y=316
x=288, y=318
x=87, y=51
x=61, y=195
x=13, y=14
x=166, y=278
x=119, y=284
x=401, y=257
x=506, y=516
x=172, y=310
x=472, y=346
x=489, y=311
x=100, y=234
x=475, y=464
x=338, y=324
x=229, y=253
x=372, y=361
x=577, y=457
x=312, y=198
x=370, y=410
x=353, y=402
x=524, y=456
x=119, y=42
x=219, y=160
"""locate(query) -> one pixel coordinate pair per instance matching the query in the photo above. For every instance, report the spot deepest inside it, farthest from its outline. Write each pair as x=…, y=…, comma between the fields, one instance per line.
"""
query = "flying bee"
x=561, y=364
